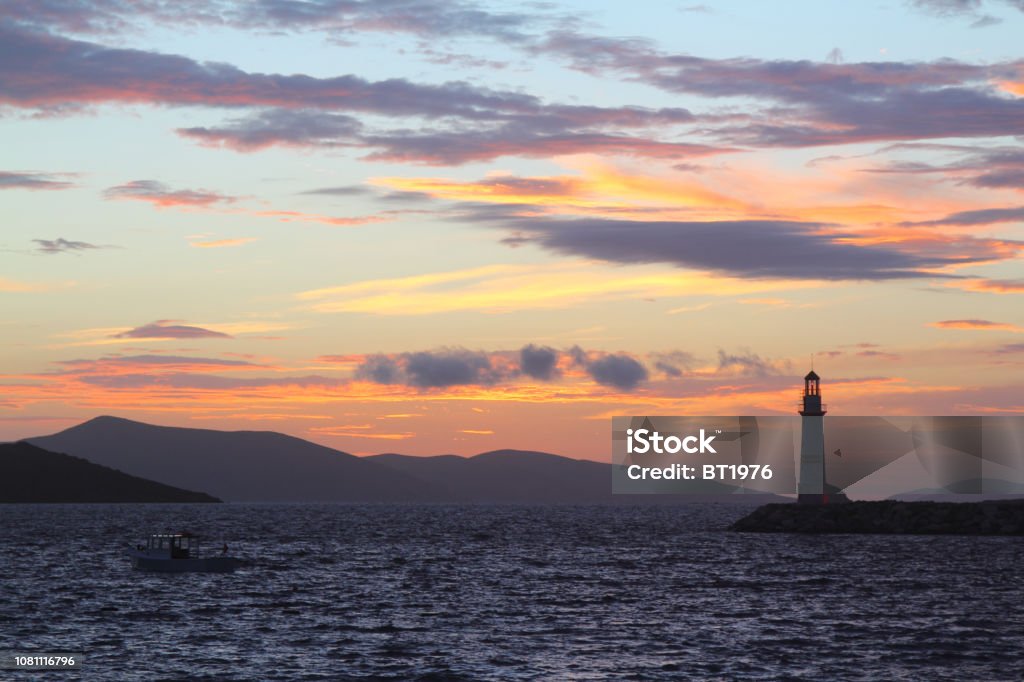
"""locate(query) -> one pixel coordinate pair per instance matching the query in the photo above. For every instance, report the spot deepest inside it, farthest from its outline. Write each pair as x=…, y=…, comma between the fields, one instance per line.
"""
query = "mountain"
x=263, y=466
x=238, y=466
x=31, y=474
x=504, y=476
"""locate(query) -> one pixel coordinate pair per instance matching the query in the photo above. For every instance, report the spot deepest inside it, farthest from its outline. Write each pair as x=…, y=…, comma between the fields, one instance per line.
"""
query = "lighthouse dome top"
x=812, y=376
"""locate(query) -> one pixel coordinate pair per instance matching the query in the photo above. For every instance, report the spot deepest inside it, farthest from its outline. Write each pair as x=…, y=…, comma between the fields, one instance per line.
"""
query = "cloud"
x=449, y=148
x=532, y=135
x=423, y=18
x=598, y=187
x=674, y=364
x=432, y=369
x=340, y=191
x=975, y=324
x=280, y=127
x=54, y=71
x=906, y=113
x=944, y=8
x=354, y=432
x=747, y=364
x=111, y=16
x=618, y=371
x=963, y=8
x=986, y=216
x=539, y=362
x=166, y=329
x=338, y=18
x=668, y=369
x=208, y=382
x=789, y=81
x=42, y=69
x=781, y=249
x=988, y=168
x=380, y=369
x=61, y=245
x=450, y=367
x=302, y=217
x=502, y=288
x=10, y=286
x=994, y=286
x=985, y=21
x=33, y=181
x=179, y=372
x=201, y=243
x=879, y=355
x=804, y=103
x=798, y=103
x=150, y=362
x=160, y=195
x=822, y=102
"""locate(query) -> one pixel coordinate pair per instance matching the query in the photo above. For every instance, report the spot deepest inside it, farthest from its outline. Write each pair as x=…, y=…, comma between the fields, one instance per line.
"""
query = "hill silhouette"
x=32, y=474
x=264, y=466
x=239, y=466
x=502, y=476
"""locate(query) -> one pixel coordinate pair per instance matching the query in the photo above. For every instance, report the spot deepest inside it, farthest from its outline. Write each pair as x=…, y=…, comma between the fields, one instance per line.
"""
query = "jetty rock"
x=991, y=517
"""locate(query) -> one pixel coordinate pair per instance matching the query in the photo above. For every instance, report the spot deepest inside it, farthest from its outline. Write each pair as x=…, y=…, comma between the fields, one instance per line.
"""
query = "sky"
x=446, y=226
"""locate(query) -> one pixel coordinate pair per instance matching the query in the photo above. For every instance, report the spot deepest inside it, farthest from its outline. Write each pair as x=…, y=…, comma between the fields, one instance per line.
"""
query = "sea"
x=452, y=593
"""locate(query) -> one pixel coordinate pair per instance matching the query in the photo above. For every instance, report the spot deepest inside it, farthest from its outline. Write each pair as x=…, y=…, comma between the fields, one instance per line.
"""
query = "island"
x=990, y=517
x=31, y=474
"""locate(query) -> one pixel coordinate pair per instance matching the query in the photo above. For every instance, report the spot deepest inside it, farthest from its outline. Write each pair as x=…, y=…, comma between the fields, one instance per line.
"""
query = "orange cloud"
x=994, y=286
x=839, y=192
x=160, y=195
x=10, y=286
x=986, y=325
x=355, y=432
x=599, y=187
x=339, y=221
x=1012, y=87
x=774, y=302
x=503, y=288
x=201, y=243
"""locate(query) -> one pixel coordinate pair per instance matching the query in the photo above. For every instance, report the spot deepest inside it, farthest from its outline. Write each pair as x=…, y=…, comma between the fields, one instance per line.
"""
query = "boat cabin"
x=174, y=545
x=179, y=553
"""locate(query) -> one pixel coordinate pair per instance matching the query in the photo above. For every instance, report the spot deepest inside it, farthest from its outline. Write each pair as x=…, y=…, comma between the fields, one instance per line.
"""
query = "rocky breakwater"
x=1002, y=517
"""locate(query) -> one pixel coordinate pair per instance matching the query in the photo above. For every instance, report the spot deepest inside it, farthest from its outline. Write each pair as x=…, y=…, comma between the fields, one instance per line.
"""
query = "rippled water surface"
x=338, y=592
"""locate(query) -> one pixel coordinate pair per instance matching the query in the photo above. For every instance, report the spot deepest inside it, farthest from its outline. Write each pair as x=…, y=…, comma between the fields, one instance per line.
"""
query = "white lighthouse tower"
x=811, y=487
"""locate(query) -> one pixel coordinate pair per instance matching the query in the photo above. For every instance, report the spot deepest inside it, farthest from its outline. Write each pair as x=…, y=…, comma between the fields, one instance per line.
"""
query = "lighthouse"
x=811, y=488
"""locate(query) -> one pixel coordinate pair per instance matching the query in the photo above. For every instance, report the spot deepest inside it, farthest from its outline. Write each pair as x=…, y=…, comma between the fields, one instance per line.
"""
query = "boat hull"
x=201, y=565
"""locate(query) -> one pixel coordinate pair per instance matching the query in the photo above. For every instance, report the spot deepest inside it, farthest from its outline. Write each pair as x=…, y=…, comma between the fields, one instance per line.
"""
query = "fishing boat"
x=179, y=553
